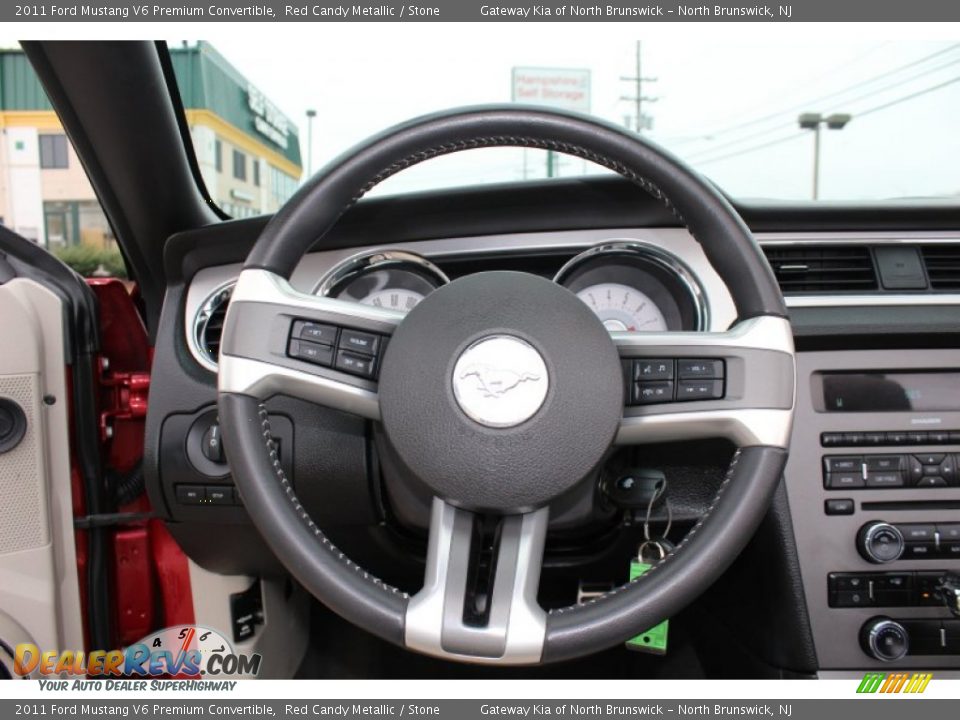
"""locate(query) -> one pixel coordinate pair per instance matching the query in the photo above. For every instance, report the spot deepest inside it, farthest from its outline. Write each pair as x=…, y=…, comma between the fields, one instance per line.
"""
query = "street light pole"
x=816, y=162
x=311, y=114
x=813, y=121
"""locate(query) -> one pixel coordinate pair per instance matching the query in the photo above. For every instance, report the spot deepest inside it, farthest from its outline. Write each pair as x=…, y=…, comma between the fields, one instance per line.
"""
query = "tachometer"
x=392, y=279
x=394, y=299
x=621, y=307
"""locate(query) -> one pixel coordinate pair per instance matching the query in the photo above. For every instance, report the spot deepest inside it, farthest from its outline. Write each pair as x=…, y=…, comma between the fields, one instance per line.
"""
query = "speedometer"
x=621, y=307
x=634, y=286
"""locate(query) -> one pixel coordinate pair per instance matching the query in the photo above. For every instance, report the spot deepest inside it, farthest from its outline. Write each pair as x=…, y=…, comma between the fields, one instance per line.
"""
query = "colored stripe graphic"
x=870, y=683
x=891, y=683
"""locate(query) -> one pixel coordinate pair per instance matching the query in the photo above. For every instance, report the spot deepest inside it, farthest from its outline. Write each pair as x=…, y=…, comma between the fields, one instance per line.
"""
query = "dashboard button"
x=855, y=438
x=699, y=389
x=930, y=458
x=843, y=463
x=914, y=468
x=831, y=439
x=893, y=581
x=950, y=550
x=940, y=437
x=645, y=370
x=891, y=598
x=925, y=637
x=699, y=369
x=931, y=481
x=896, y=438
x=847, y=581
x=851, y=598
x=925, y=584
x=219, y=495
x=838, y=506
x=949, y=532
x=918, y=533
x=359, y=341
x=354, y=364
x=311, y=352
x=919, y=551
x=647, y=393
x=917, y=438
x=884, y=462
x=191, y=494
x=884, y=480
x=948, y=468
x=843, y=481
x=314, y=332
x=874, y=438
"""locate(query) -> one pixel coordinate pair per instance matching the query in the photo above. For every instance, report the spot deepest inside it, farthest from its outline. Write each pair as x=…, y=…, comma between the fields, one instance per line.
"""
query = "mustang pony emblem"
x=494, y=381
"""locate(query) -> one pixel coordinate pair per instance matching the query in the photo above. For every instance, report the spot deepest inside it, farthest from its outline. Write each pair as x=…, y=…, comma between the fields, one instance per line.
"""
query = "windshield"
x=778, y=120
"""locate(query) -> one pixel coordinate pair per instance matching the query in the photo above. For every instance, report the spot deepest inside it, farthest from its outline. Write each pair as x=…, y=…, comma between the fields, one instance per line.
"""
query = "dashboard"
x=871, y=494
x=629, y=280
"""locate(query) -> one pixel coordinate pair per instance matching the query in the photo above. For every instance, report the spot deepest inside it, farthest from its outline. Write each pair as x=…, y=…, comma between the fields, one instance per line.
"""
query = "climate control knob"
x=880, y=542
x=884, y=639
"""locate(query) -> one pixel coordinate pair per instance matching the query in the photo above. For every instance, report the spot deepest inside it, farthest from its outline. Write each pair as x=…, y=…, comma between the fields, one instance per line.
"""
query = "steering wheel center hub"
x=500, y=391
x=500, y=381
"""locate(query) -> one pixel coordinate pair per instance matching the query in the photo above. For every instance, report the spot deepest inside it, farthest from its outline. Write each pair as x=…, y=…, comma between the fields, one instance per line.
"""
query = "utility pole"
x=638, y=98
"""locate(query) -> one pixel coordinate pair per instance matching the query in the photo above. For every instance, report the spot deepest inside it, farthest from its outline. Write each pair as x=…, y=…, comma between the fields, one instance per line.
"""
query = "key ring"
x=658, y=493
x=648, y=543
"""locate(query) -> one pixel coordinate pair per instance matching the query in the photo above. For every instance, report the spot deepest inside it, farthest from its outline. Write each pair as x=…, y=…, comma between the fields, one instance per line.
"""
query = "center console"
x=873, y=482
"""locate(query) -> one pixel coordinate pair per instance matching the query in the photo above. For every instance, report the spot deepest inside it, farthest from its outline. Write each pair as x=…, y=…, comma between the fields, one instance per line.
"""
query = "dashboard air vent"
x=208, y=326
x=943, y=266
x=822, y=269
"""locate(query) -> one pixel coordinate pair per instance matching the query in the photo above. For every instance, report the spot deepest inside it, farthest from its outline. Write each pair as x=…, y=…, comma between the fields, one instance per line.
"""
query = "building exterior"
x=247, y=150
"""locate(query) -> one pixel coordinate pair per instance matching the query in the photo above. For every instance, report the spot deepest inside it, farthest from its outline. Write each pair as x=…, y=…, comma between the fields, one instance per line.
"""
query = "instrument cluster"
x=631, y=286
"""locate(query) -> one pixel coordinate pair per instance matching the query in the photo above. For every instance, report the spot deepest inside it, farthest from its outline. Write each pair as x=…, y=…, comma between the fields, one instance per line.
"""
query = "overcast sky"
x=713, y=98
x=703, y=90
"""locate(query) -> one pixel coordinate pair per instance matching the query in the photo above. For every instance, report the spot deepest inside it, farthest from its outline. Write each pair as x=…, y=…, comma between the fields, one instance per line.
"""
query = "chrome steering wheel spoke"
x=758, y=385
x=256, y=357
x=506, y=625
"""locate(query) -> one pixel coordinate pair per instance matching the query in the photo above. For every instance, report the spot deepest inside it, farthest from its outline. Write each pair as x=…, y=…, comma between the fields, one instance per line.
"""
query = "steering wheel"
x=499, y=393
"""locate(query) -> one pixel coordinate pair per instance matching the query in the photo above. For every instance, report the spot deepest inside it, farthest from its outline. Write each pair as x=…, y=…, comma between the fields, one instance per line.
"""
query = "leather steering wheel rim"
x=349, y=590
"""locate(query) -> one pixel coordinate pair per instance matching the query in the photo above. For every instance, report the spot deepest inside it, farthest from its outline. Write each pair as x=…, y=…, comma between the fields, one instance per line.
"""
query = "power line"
x=860, y=114
x=863, y=96
x=810, y=82
x=878, y=108
x=800, y=106
x=747, y=151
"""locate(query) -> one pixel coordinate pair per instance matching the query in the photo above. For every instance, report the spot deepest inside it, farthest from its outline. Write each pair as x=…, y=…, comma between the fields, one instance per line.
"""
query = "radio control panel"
x=923, y=469
x=875, y=502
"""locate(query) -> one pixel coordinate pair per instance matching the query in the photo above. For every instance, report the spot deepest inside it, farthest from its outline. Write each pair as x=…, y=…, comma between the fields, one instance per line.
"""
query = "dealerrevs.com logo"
x=183, y=651
x=891, y=683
